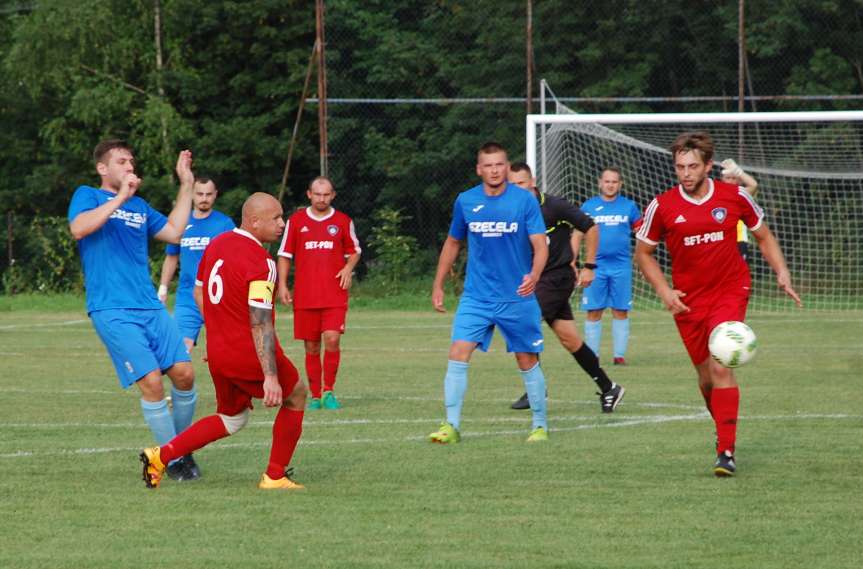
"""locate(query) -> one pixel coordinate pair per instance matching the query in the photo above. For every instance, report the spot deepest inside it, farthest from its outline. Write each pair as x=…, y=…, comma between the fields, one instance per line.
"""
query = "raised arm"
x=448, y=255
x=92, y=220
x=179, y=216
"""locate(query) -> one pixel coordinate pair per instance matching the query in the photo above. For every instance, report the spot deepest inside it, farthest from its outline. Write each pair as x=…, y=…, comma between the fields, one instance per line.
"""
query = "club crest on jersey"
x=719, y=214
x=332, y=229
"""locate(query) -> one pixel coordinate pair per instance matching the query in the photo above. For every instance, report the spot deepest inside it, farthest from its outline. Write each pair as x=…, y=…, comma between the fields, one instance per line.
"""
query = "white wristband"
x=163, y=290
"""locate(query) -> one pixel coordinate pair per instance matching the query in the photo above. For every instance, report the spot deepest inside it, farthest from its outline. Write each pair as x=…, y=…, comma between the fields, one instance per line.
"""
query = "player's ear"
x=478, y=170
x=101, y=168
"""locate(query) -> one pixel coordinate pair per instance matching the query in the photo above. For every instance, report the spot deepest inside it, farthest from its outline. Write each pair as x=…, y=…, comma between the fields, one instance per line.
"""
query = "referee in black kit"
x=558, y=281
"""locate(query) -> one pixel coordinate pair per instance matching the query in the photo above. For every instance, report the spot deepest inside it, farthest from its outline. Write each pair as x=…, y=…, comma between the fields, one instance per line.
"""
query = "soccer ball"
x=732, y=344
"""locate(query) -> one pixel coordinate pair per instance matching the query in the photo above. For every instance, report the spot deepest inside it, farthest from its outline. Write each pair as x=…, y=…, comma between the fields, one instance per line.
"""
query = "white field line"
x=653, y=420
x=42, y=325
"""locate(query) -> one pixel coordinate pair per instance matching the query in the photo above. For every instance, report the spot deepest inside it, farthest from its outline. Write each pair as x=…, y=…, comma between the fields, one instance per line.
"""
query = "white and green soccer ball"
x=732, y=344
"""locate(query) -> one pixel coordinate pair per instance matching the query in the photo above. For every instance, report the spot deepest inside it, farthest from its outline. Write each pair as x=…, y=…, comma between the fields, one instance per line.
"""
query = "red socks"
x=198, y=435
x=331, y=368
x=706, y=392
x=725, y=404
x=313, y=372
x=287, y=429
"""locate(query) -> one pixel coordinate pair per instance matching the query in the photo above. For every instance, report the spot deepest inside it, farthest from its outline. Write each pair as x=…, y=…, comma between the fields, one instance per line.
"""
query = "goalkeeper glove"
x=730, y=168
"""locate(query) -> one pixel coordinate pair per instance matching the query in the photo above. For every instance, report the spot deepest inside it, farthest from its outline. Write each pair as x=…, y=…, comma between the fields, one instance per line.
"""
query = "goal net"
x=809, y=168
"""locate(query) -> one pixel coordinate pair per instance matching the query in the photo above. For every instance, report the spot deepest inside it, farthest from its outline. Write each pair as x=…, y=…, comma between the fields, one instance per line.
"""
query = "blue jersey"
x=615, y=219
x=115, y=257
x=499, y=249
x=196, y=237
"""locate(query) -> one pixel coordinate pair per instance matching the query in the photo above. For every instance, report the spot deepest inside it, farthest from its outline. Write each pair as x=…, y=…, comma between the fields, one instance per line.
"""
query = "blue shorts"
x=139, y=341
x=519, y=322
x=189, y=320
x=612, y=288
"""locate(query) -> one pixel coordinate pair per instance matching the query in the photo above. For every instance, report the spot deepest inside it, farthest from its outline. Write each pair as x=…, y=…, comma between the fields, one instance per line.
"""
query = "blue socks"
x=454, y=388
x=592, y=335
x=534, y=384
x=184, y=407
x=620, y=334
x=158, y=418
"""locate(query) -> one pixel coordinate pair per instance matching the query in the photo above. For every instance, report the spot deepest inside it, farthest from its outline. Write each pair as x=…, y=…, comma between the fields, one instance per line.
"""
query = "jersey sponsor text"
x=704, y=238
x=493, y=228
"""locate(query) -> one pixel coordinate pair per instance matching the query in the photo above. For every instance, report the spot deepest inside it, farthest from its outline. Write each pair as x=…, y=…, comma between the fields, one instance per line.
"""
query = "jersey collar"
x=706, y=197
x=245, y=233
x=310, y=213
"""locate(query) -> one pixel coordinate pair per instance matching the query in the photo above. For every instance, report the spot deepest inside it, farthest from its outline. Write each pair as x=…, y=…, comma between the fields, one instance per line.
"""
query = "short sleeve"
x=350, y=242
x=634, y=215
x=289, y=239
x=172, y=249
x=155, y=220
x=262, y=283
x=457, y=228
x=84, y=199
x=577, y=218
x=752, y=214
x=199, y=274
x=652, y=229
x=533, y=216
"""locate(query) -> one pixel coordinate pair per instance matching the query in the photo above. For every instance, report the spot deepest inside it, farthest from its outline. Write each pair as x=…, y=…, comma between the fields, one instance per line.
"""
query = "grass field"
x=634, y=489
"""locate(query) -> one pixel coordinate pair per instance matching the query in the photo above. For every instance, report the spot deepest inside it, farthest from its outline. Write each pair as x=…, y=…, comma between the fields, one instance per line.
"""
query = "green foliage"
x=395, y=253
x=46, y=258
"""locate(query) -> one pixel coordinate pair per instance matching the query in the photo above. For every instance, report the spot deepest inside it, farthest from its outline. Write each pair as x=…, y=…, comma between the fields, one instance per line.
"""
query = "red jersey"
x=701, y=237
x=235, y=272
x=318, y=247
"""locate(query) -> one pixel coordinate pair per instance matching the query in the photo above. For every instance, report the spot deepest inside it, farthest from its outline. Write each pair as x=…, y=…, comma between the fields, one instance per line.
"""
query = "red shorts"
x=234, y=394
x=309, y=324
x=695, y=326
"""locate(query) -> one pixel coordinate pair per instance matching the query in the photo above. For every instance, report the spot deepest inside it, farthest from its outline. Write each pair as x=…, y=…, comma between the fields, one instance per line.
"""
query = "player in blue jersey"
x=204, y=224
x=616, y=216
x=113, y=227
x=506, y=252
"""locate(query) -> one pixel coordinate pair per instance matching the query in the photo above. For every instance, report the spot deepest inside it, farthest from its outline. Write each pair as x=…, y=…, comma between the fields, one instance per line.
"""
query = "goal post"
x=809, y=168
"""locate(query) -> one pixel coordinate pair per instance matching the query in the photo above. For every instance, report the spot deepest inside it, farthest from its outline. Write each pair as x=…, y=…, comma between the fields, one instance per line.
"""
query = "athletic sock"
x=706, y=392
x=534, y=384
x=593, y=334
x=158, y=418
x=331, y=368
x=726, y=403
x=620, y=336
x=198, y=435
x=590, y=364
x=287, y=429
x=454, y=388
x=183, y=403
x=313, y=372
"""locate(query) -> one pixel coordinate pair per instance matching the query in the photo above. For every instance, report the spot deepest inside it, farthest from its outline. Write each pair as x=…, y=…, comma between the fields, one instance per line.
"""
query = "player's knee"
x=297, y=398
x=151, y=386
x=182, y=376
x=234, y=423
x=331, y=342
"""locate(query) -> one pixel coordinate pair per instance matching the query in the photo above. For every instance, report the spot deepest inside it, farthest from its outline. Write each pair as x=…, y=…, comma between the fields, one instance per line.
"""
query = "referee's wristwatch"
x=591, y=266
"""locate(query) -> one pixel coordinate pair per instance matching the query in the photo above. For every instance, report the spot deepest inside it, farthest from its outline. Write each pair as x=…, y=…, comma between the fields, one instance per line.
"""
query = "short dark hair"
x=206, y=180
x=491, y=147
x=104, y=148
x=693, y=141
x=614, y=169
x=521, y=167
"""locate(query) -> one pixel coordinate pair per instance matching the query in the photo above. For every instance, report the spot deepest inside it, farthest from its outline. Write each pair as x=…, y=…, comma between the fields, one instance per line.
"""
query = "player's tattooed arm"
x=264, y=338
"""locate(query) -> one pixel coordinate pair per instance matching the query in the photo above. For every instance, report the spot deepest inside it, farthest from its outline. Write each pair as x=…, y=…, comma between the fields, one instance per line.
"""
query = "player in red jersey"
x=234, y=289
x=322, y=243
x=698, y=221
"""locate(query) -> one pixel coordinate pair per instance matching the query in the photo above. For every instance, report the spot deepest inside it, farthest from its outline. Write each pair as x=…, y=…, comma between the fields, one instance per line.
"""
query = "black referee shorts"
x=553, y=291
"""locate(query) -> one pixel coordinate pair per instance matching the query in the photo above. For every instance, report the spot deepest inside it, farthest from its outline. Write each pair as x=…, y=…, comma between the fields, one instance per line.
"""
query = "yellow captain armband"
x=261, y=291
